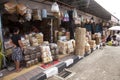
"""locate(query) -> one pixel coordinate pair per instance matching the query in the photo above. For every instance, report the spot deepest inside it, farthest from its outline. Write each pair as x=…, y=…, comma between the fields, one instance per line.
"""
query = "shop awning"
x=89, y=6
x=114, y=28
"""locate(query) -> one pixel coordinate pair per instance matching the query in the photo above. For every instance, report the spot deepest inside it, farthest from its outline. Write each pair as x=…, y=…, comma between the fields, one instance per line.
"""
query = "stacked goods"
x=45, y=43
x=25, y=43
x=87, y=47
x=62, y=35
x=7, y=44
x=54, y=50
x=39, y=37
x=31, y=56
x=34, y=41
x=46, y=54
x=70, y=47
x=10, y=7
x=21, y=9
x=92, y=44
x=36, y=14
x=62, y=46
x=80, y=38
x=97, y=39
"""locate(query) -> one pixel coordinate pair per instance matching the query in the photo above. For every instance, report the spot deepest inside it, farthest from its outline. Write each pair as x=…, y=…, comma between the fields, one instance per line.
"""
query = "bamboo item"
x=46, y=54
x=80, y=38
x=62, y=46
x=21, y=9
x=70, y=47
x=10, y=7
x=36, y=14
x=87, y=47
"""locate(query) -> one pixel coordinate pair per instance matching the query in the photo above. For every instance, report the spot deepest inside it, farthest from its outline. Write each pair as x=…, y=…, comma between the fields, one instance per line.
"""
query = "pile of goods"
x=31, y=55
x=33, y=39
x=92, y=44
x=54, y=50
x=80, y=38
x=46, y=54
x=66, y=47
x=62, y=46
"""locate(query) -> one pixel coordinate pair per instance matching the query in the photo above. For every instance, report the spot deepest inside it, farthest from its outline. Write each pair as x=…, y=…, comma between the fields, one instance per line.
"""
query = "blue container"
x=44, y=13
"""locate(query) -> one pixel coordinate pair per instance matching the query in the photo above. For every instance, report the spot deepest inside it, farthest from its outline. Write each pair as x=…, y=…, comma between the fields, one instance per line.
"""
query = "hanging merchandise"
x=77, y=20
x=75, y=15
x=10, y=7
x=66, y=17
x=44, y=13
x=28, y=15
x=61, y=15
x=55, y=7
x=36, y=14
x=21, y=9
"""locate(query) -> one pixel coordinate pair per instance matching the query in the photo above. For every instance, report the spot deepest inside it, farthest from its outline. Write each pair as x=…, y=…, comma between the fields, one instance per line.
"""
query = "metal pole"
x=51, y=30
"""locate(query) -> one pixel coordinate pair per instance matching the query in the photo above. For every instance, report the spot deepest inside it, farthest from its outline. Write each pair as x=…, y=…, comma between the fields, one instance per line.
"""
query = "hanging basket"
x=21, y=9
x=75, y=15
x=10, y=7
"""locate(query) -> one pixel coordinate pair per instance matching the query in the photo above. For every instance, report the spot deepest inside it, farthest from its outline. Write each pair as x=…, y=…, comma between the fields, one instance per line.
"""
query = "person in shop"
x=118, y=37
x=109, y=38
x=17, y=56
x=114, y=40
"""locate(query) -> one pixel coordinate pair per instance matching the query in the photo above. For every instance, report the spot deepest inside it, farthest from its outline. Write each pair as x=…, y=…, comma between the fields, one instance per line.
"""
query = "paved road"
x=100, y=65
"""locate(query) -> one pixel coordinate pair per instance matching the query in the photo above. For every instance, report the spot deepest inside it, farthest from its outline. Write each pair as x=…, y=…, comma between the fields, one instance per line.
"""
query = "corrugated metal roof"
x=89, y=6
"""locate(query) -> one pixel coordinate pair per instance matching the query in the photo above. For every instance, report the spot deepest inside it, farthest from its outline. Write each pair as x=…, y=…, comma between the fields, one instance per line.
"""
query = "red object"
x=45, y=66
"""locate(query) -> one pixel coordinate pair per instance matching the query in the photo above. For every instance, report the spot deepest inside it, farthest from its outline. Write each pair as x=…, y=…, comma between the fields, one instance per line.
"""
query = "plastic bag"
x=55, y=7
x=66, y=17
x=75, y=15
x=28, y=15
x=44, y=13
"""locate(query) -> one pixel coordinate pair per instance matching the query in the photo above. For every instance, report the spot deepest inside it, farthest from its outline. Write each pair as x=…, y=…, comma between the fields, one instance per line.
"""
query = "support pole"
x=1, y=35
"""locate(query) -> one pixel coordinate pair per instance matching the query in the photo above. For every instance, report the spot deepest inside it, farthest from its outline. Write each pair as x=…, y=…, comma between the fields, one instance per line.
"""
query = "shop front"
x=49, y=33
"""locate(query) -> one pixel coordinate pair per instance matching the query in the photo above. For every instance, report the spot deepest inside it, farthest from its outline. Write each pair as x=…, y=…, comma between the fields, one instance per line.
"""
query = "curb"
x=57, y=69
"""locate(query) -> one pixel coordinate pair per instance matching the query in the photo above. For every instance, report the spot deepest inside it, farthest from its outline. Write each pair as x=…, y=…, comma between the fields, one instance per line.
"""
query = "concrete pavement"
x=100, y=65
